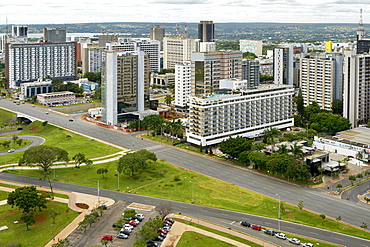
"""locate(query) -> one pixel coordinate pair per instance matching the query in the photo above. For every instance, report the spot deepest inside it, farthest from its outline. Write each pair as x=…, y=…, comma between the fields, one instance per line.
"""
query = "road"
x=35, y=141
x=314, y=199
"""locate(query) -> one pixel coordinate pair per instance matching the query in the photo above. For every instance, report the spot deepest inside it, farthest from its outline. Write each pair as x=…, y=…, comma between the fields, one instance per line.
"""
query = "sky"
x=173, y=11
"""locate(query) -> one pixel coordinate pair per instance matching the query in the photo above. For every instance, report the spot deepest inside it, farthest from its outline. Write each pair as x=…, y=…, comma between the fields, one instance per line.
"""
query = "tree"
x=104, y=242
x=164, y=209
x=244, y=157
x=14, y=138
x=102, y=171
x=359, y=155
x=62, y=243
x=300, y=205
x=364, y=226
x=322, y=216
x=149, y=230
x=235, y=146
x=97, y=93
x=297, y=151
x=79, y=158
x=153, y=121
x=147, y=155
x=19, y=141
x=270, y=135
x=300, y=103
x=131, y=163
x=44, y=156
x=359, y=175
x=56, y=85
x=337, y=106
x=28, y=199
x=129, y=213
x=352, y=178
x=339, y=218
x=367, y=199
x=168, y=99
x=321, y=170
x=28, y=218
x=88, y=162
x=283, y=149
x=339, y=186
x=53, y=214
x=44, y=124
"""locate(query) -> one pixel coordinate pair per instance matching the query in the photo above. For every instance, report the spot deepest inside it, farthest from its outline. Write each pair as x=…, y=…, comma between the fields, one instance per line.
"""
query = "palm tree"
x=297, y=151
x=283, y=149
x=270, y=135
x=168, y=99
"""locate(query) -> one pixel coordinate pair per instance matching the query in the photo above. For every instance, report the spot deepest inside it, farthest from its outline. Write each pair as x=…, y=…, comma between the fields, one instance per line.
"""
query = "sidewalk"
x=179, y=228
x=74, y=198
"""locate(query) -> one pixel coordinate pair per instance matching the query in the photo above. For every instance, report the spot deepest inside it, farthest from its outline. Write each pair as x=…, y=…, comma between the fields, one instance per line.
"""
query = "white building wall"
x=110, y=88
x=178, y=50
x=182, y=83
x=253, y=46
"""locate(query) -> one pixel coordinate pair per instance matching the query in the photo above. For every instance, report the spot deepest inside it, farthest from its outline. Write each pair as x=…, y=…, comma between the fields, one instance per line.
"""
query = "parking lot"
x=93, y=234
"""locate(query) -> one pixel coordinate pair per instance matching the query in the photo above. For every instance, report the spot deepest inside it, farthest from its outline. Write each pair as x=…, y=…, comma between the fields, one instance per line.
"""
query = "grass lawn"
x=41, y=232
x=164, y=181
x=195, y=239
x=3, y=195
x=14, y=145
x=58, y=137
x=5, y=116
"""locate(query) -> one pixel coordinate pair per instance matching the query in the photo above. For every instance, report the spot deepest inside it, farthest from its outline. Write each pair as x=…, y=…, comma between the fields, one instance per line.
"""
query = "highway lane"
x=314, y=199
x=226, y=218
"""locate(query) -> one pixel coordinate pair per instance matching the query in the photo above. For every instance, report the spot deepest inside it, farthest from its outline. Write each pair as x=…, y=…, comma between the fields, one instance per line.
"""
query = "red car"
x=167, y=222
x=107, y=237
x=256, y=227
x=133, y=223
x=160, y=230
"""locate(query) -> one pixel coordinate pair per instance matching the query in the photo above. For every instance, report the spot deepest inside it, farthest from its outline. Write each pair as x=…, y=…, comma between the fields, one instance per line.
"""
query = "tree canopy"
x=235, y=146
x=132, y=163
x=28, y=198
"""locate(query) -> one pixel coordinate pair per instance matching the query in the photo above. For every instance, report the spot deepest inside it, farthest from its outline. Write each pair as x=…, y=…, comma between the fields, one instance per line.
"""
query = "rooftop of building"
x=56, y=93
x=359, y=136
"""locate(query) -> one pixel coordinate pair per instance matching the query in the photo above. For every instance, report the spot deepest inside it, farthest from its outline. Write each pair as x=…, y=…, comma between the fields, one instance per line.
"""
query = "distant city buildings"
x=363, y=44
x=28, y=62
x=247, y=114
x=157, y=33
x=55, y=34
x=252, y=46
x=107, y=38
x=208, y=68
x=125, y=85
x=206, y=31
x=177, y=50
x=19, y=36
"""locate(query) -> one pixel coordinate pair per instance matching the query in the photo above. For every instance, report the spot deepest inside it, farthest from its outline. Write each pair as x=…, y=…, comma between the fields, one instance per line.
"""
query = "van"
x=269, y=232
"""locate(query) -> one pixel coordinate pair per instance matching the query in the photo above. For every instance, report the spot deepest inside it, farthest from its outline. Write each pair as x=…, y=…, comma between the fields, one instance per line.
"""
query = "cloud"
x=180, y=2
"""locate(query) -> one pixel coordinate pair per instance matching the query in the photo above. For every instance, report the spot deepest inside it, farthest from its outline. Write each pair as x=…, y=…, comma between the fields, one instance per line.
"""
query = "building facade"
x=253, y=46
x=250, y=72
x=356, y=88
x=28, y=62
x=177, y=50
x=206, y=31
x=91, y=57
x=157, y=33
x=125, y=84
x=57, y=98
x=248, y=114
x=182, y=84
x=29, y=89
x=208, y=68
x=283, y=65
x=55, y=34
x=321, y=78
x=162, y=79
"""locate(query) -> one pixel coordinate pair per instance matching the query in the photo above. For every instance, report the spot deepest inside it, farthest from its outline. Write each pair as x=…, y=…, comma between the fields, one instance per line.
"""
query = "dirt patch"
x=40, y=218
x=141, y=206
x=34, y=128
x=82, y=205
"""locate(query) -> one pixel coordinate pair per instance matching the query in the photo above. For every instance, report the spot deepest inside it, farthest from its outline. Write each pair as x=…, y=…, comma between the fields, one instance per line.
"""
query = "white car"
x=308, y=245
x=281, y=235
x=128, y=226
x=140, y=217
x=11, y=151
x=294, y=241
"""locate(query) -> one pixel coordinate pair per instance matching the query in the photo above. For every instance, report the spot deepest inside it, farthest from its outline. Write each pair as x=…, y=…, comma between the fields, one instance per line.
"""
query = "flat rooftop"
x=359, y=136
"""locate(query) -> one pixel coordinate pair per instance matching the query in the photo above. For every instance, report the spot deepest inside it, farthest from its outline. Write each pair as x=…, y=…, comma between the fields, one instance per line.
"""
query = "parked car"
x=170, y=220
x=159, y=238
x=160, y=230
x=281, y=235
x=167, y=222
x=125, y=231
x=71, y=120
x=166, y=227
x=11, y=151
x=256, y=227
x=133, y=223
x=107, y=237
x=350, y=156
x=308, y=245
x=103, y=207
x=128, y=226
x=163, y=235
x=140, y=217
x=294, y=241
x=122, y=236
x=115, y=225
x=245, y=223
x=151, y=243
x=46, y=113
x=269, y=232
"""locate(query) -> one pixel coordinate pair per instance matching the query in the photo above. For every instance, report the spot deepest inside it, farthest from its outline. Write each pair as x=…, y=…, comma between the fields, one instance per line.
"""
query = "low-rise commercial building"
x=50, y=99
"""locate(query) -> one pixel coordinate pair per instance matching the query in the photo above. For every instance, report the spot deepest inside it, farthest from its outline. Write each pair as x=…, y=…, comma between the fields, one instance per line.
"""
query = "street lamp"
x=278, y=213
x=192, y=193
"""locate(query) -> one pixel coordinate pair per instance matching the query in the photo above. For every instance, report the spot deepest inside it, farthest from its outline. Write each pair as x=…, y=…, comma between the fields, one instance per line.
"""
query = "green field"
x=58, y=137
x=165, y=181
x=14, y=145
x=5, y=116
x=195, y=239
x=41, y=232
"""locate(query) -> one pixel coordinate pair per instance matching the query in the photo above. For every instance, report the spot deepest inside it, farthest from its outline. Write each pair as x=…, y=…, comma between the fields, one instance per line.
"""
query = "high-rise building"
x=206, y=31
x=177, y=50
x=213, y=119
x=250, y=72
x=19, y=30
x=157, y=33
x=29, y=62
x=125, y=85
x=150, y=47
x=107, y=38
x=363, y=44
x=91, y=57
x=356, y=87
x=283, y=65
x=208, y=68
x=321, y=78
x=253, y=46
x=55, y=34
x=182, y=84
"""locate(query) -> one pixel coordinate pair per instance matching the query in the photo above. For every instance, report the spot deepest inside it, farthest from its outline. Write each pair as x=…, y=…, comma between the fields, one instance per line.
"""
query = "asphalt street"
x=35, y=141
x=314, y=199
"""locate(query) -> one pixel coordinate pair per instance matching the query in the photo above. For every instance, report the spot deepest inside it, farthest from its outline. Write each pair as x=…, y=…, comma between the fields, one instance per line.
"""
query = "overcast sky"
x=77, y=11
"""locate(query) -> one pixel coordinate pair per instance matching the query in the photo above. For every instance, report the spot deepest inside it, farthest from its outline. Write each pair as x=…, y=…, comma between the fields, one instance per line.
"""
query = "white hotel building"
x=182, y=84
x=248, y=114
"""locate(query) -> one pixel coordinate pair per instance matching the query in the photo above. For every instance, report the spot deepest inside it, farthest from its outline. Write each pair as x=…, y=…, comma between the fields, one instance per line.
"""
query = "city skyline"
x=280, y=11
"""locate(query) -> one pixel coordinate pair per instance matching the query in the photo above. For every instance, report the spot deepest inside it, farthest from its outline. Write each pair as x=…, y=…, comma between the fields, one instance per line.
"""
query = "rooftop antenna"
x=186, y=30
x=361, y=30
x=6, y=20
